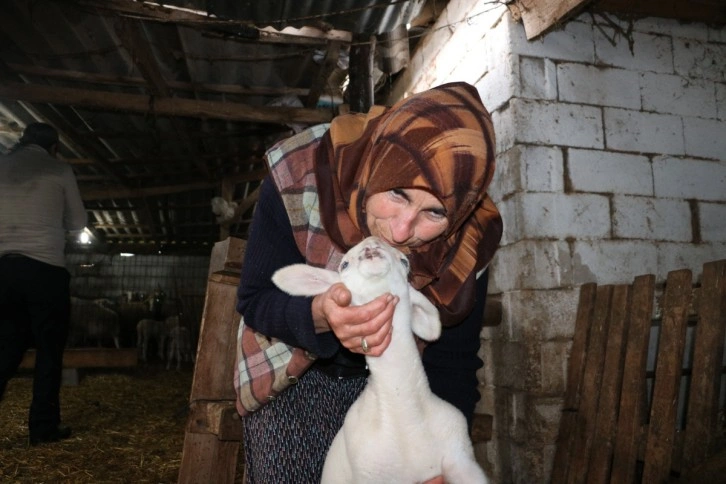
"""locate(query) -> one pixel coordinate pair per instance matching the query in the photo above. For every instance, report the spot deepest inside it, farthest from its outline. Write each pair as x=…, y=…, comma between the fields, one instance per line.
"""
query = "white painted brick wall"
x=606, y=172
x=573, y=43
x=547, y=266
x=651, y=219
x=666, y=93
x=560, y=216
x=712, y=219
x=529, y=168
x=673, y=256
x=721, y=101
x=613, y=262
x=639, y=132
x=669, y=27
x=538, y=78
x=699, y=60
x=559, y=304
x=705, y=138
x=557, y=124
x=689, y=179
x=543, y=169
x=600, y=86
x=496, y=86
x=651, y=53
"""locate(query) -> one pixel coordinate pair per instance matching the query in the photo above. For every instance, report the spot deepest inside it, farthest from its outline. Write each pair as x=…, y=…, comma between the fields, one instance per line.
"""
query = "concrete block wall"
x=611, y=164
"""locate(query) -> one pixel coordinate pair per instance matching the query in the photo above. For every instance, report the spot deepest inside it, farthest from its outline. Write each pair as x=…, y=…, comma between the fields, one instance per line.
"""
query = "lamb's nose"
x=370, y=252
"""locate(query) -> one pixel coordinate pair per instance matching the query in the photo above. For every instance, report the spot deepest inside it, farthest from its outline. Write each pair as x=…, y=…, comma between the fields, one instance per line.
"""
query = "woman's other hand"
x=372, y=321
x=436, y=480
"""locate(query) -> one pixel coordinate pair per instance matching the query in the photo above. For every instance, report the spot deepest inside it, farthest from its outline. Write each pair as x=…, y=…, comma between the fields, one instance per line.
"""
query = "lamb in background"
x=397, y=430
x=93, y=321
x=148, y=330
x=180, y=347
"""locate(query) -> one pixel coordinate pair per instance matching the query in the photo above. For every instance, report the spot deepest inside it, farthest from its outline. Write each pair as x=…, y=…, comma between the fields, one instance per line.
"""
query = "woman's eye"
x=398, y=193
x=437, y=214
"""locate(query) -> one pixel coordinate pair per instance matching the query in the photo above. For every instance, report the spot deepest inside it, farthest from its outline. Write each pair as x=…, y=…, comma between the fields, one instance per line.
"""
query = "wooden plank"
x=208, y=459
x=632, y=395
x=592, y=378
x=214, y=368
x=702, y=414
x=661, y=429
x=608, y=405
x=135, y=103
x=218, y=417
x=211, y=442
x=90, y=358
x=481, y=429
x=575, y=366
x=539, y=16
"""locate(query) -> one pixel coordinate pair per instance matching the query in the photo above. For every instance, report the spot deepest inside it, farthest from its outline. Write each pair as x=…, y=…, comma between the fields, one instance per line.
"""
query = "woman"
x=415, y=175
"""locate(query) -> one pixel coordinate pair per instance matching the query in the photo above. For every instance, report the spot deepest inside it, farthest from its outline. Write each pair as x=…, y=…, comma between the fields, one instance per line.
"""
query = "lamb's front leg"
x=337, y=468
x=461, y=468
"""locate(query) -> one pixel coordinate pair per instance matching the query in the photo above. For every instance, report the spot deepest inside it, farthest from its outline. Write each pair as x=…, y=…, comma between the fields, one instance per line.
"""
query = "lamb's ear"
x=425, y=322
x=304, y=280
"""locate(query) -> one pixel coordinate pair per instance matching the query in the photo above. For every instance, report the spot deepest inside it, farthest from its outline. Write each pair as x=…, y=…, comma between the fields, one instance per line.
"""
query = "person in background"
x=39, y=204
x=416, y=175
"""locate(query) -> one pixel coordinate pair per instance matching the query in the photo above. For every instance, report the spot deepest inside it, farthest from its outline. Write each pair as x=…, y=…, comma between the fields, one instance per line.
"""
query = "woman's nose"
x=402, y=228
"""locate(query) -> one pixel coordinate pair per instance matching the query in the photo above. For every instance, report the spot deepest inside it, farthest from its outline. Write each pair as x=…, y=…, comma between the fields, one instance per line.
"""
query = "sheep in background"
x=93, y=321
x=148, y=330
x=397, y=430
x=180, y=347
x=167, y=326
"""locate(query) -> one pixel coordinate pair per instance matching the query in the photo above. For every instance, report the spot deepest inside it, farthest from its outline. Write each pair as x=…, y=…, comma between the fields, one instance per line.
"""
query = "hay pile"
x=128, y=427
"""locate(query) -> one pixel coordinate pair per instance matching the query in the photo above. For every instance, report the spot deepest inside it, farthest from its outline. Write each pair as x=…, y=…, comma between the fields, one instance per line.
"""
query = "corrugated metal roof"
x=161, y=109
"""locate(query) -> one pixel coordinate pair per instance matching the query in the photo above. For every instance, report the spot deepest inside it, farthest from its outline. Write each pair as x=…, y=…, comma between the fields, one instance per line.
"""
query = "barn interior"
x=166, y=109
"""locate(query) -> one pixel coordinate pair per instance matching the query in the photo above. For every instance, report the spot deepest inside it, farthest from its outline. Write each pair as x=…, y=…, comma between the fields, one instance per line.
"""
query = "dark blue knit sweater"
x=451, y=362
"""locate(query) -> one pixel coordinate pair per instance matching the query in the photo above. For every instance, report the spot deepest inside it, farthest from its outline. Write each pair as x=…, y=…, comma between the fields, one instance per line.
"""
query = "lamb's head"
x=368, y=270
x=372, y=268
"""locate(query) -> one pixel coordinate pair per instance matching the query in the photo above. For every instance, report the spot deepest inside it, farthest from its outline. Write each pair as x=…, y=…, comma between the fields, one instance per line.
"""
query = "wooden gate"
x=623, y=422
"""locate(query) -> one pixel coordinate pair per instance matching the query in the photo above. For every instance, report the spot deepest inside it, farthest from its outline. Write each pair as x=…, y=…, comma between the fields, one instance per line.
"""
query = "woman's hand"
x=436, y=480
x=372, y=321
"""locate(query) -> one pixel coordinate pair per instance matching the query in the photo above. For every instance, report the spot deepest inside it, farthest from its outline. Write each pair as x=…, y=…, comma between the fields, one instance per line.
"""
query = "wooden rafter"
x=164, y=107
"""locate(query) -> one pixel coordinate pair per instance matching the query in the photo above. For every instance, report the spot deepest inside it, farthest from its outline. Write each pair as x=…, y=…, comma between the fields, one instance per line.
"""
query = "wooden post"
x=214, y=430
x=360, y=87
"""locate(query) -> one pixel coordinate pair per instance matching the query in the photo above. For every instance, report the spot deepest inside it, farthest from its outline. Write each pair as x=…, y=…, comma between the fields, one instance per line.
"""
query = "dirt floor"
x=128, y=427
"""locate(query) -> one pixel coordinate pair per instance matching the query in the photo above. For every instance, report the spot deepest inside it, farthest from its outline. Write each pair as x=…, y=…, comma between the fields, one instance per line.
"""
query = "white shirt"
x=39, y=203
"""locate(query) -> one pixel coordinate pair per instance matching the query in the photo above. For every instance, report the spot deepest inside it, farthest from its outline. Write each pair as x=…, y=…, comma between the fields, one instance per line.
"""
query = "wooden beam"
x=90, y=358
x=243, y=29
x=134, y=40
x=96, y=78
x=361, y=73
x=321, y=79
x=117, y=101
x=707, y=11
x=107, y=193
x=539, y=16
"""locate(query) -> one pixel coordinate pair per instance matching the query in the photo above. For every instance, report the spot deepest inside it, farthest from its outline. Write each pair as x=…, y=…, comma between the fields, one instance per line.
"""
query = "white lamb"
x=397, y=430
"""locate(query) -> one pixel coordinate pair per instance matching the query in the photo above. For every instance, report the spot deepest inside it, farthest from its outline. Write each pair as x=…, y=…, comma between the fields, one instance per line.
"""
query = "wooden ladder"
x=214, y=430
x=624, y=422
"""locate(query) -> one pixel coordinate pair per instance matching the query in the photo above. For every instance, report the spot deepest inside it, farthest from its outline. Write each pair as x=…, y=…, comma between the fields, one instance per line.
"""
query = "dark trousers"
x=34, y=311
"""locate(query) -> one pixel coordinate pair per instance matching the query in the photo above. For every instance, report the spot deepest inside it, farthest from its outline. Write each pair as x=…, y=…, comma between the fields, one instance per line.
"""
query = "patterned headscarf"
x=442, y=141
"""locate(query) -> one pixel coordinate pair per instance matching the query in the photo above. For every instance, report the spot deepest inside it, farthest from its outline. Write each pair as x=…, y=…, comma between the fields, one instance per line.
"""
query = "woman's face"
x=406, y=217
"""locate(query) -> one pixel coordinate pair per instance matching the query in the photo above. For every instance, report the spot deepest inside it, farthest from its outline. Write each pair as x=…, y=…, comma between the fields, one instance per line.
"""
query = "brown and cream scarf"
x=442, y=141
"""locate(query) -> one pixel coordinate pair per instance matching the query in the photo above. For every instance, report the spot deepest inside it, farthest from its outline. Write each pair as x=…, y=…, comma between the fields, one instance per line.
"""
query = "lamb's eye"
x=405, y=263
x=344, y=265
